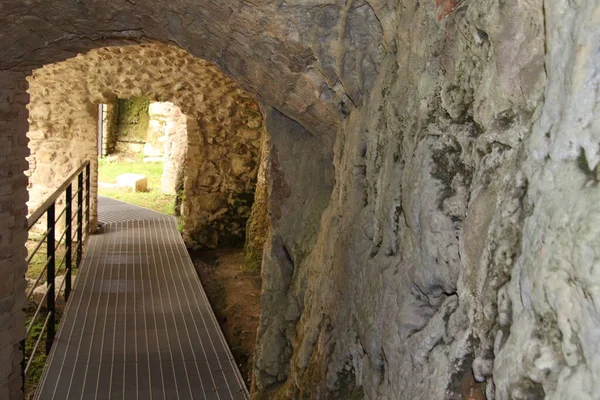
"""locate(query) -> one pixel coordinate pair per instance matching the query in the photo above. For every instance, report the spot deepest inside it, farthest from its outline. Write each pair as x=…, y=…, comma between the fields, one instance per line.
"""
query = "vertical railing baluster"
x=79, y=218
x=71, y=260
x=68, y=240
x=50, y=295
x=87, y=199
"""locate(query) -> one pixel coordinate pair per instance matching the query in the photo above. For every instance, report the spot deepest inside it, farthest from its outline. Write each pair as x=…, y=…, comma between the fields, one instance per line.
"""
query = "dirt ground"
x=235, y=297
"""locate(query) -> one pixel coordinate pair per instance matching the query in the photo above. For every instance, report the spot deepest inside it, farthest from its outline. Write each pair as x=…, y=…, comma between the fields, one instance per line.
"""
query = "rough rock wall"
x=455, y=259
x=224, y=139
x=301, y=179
x=257, y=227
x=548, y=312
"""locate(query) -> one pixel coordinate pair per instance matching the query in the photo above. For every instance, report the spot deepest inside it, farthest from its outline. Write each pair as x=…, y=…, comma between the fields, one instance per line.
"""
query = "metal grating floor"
x=110, y=210
x=138, y=324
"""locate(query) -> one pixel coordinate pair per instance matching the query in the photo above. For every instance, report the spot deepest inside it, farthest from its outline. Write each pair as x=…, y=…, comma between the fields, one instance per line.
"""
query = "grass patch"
x=36, y=368
x=38, y=262
x=108, y=170
x=153, y=199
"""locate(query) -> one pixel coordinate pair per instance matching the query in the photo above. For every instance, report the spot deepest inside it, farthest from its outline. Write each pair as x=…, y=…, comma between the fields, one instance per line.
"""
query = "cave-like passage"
x=138, y=324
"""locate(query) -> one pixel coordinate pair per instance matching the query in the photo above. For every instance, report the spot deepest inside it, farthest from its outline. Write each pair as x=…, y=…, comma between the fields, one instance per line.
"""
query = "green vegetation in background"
x=153, y=199
x=133, y=119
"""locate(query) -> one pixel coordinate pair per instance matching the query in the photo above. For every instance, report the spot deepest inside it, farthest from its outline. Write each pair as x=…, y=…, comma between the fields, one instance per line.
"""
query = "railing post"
x=48, y=207
x=79, y=218
x=87, y=198
x=50, y=296
x=68, y=239
x=23, y=364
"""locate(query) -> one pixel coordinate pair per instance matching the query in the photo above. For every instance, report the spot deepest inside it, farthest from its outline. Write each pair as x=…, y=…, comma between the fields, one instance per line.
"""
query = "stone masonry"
x=219, y=153
x=13, y=228
x=169, y=127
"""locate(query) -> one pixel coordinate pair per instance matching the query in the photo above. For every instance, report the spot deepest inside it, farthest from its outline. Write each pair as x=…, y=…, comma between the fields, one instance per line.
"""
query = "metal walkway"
x=138, y=324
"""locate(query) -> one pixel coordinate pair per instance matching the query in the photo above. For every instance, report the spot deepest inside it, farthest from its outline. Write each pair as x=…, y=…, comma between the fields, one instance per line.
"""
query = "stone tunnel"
x=432, y=189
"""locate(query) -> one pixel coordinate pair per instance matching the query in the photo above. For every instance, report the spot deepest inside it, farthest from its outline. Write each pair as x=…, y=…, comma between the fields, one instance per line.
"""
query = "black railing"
x=45, y=309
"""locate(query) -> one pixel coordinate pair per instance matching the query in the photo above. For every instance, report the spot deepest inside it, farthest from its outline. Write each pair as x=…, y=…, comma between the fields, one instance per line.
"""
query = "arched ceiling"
x=312, y=60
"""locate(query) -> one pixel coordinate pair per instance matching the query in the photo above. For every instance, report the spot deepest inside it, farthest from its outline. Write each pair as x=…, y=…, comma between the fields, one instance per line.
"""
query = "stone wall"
x=133, y=120
x=442, y=243
x=168, y=128
x=13, y=228
x=223, y=138
x=109, y=128
x=257, y=227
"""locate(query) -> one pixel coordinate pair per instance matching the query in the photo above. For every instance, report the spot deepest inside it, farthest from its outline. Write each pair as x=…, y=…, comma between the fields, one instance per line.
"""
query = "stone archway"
x=223, y=136
x=455, y=255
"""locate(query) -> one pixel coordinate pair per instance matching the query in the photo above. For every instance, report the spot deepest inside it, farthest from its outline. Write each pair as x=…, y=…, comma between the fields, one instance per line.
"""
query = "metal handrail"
x=48, y=207
x=35, y=217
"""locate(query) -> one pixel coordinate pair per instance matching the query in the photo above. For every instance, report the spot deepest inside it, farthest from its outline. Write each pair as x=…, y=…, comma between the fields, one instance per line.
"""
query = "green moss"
x=133, y=119
x=38, y=363
x=253, y=260
x=257, y=231
x=582, y=163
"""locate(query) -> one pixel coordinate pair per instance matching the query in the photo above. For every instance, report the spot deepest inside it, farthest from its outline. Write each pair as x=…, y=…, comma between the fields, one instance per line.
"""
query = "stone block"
x=153, y=159
x=137, y=182
x=40, y=291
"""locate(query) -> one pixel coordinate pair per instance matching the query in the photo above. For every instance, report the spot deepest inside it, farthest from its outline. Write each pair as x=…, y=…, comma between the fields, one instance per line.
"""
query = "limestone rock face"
x=449, y=262
x=433, y=171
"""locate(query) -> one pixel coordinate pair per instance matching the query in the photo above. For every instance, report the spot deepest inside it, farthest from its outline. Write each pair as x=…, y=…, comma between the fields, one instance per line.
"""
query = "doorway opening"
x=142, y=149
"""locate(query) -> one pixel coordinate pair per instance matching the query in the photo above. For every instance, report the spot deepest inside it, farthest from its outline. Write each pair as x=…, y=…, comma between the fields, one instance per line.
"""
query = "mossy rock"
x=133, y=119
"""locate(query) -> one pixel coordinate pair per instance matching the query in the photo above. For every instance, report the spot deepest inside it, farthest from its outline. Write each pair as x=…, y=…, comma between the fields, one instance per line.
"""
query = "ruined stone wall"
x=133, y=120
x=442, y=243
x=224, y=139
x=168, y=129
x=109, y=127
